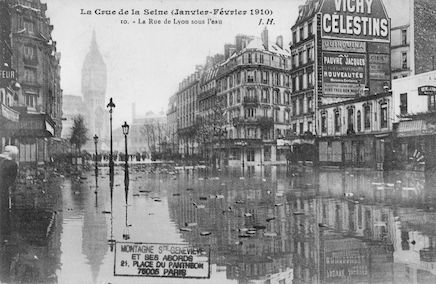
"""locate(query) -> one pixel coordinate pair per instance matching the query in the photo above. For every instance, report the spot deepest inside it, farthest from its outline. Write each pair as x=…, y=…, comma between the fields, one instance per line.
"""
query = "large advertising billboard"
x=355, y=19
x=343, y=73
x=355, y=37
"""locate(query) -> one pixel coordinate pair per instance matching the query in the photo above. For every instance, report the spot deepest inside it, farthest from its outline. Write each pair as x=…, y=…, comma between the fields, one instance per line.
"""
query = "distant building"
x=172, y=124
x=147, y=134
x=413, y=36
x=94, y=80
x=187, y=109
x=73, y=106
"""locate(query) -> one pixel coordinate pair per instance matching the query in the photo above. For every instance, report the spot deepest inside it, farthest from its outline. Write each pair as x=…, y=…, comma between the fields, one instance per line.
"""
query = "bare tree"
x=210, y=128
x=155, y=134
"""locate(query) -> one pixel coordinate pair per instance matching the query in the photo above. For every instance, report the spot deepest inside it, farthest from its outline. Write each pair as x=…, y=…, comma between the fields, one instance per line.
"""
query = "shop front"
x=32, y=136
x=415, y=146
x=9, y=120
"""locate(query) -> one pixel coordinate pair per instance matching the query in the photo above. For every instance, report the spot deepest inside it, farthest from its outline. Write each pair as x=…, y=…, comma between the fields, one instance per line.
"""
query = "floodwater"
x=262, y=224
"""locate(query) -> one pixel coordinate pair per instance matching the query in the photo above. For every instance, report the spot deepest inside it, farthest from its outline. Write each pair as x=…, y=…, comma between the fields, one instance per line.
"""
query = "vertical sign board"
x=161, y=260
x=348, y=28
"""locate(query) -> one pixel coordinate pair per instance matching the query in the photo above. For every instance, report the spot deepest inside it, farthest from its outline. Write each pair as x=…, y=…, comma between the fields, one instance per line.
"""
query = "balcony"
x=250, y=101
x=264, y=123
x=8, y=113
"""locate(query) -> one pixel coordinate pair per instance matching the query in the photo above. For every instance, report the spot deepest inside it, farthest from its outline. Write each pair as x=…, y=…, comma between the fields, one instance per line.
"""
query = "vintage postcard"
x=233, y=141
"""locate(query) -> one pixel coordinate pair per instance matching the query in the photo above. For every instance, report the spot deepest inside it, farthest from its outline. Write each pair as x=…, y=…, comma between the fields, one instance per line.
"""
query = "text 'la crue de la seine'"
x=178, y=12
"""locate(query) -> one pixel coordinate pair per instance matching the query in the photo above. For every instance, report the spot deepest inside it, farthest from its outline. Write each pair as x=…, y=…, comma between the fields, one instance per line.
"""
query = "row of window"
x=254, y=133
x=254, y=76
x=303, y=56
x=355, y=119
x=261, y=58
x=298, y=82
x=303, y=32
x=250, y=113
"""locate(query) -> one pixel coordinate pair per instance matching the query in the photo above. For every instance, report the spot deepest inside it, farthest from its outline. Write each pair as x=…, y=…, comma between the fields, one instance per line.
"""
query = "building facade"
x=26, y=33
x=255, y=88
x=414, y=107
x=187, y=109
x=334, y=64
x=357, y=132
x=412, y=36
x=172, y=125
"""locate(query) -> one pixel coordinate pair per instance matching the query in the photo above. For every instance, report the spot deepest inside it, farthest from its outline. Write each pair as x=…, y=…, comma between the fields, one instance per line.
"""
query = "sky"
x=146, y=62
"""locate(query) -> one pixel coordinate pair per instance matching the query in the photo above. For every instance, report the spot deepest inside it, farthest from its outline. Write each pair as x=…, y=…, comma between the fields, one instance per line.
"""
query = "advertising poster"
x=343, y=73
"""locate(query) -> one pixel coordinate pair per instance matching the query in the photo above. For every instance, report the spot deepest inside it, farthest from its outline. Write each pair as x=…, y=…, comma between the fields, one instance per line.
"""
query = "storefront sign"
x=343, y=45
x=379, y=67
x=355, y=19
x=161, y=260
x=427, y=91
x=7, y=74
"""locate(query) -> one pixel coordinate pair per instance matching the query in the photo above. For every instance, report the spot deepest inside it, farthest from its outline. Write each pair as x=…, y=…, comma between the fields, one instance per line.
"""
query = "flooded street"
x=263, y=225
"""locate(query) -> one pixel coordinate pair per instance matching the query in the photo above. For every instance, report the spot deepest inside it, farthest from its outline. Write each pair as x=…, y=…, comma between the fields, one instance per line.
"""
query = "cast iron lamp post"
x=96, y=153
x=125, y=128
x=111, y=106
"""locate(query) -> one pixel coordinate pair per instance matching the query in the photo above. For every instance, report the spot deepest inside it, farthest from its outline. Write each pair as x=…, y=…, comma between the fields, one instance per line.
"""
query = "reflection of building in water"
x=32, y=252
x=254, y=258
x=415, y=246
x=338, y=241
x=94, y=232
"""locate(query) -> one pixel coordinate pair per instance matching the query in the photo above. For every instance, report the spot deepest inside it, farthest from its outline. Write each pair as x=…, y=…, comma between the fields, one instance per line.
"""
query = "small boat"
x=205, y=233
x=186, y=229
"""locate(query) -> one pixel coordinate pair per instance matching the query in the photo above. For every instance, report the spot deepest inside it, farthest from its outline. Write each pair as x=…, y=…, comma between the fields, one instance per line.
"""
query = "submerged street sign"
x=161, y=260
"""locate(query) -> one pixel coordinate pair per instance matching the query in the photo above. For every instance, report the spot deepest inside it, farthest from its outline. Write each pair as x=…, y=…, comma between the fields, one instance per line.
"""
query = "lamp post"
x=111, y=106
x=125, y=128
x=96, y=153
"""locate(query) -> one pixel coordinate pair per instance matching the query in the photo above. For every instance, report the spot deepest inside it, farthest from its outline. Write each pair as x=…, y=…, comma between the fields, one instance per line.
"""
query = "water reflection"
x=263, y=224
x=94, y=231
x=29, y=245
x=310, y=226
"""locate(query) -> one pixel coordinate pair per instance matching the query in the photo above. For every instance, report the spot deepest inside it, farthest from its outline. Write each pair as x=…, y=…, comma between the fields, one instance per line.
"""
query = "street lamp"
x=96, y=154
x=125, y=128
x=111, y=106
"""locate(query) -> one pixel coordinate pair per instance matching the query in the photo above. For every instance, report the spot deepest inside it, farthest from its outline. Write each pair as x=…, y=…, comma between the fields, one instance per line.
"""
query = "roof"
x=308, y=10
x=257, y=44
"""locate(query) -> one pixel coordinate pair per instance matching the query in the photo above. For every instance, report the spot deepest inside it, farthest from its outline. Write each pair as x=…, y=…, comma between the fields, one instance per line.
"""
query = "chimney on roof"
x=227, y=50
x=279, y=41
x=232, y=50
x=264, y=37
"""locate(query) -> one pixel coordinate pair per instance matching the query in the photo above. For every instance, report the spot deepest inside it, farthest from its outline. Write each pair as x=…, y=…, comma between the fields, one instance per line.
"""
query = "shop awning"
x=411, y=128
x=35, y=125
